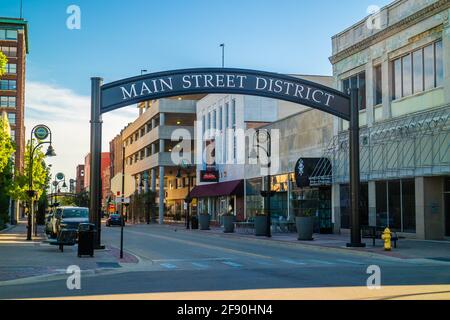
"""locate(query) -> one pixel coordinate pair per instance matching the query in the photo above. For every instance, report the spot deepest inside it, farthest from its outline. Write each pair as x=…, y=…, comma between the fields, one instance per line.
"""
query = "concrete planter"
x=260, y=226
x=228, y=223
x=305, y=228
x=203, y=220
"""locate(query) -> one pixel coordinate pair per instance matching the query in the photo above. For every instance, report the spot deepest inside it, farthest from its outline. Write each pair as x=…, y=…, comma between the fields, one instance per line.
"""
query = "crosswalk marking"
x=293, y=262
x=232, y=264
x=168, y=265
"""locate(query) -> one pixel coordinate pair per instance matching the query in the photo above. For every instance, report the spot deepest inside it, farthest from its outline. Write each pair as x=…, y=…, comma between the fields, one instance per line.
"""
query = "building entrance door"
x=447, y=206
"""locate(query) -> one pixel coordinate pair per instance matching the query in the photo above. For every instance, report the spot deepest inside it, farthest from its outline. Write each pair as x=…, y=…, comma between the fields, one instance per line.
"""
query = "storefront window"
x=345, y=205
x=254, y=199
x=396, y=205
x=381, y=203
x=409, y=205
x=394, y=200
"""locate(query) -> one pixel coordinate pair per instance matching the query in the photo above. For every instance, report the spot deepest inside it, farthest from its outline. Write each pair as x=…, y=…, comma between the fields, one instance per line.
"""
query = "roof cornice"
x=391, y=30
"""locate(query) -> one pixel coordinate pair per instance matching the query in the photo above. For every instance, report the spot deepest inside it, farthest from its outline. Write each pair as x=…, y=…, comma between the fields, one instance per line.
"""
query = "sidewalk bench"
x=371, y=232
x=247, y=226
x=67, y=237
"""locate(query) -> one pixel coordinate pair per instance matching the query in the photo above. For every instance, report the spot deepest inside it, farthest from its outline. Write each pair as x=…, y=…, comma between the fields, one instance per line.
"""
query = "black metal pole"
x=269, y=183
x=30, y=187
x=122, y=216
x=355, y=240
x=95, y=161
x=188, y=203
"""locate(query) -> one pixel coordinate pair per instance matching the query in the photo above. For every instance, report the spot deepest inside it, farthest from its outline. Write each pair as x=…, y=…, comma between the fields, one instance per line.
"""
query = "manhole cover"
x=108, y=265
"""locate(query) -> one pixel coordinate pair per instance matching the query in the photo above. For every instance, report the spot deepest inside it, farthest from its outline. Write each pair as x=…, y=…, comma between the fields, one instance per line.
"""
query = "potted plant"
x=305, y=224
x=228, y=221
x=203, y=220
x=260, y=225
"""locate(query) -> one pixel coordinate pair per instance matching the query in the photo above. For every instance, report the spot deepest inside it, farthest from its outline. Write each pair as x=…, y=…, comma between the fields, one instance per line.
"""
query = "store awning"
x=231, y=188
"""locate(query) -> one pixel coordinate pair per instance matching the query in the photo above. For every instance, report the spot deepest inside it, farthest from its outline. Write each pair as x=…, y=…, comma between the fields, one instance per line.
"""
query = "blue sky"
x=118, y=38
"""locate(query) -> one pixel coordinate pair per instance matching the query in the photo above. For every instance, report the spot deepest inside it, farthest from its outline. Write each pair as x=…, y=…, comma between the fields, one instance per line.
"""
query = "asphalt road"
x=180, y=261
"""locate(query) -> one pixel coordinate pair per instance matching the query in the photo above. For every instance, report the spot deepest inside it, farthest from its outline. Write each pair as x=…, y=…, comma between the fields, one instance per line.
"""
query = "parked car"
x=48, y=223
x=114, y=220
x=68, y=218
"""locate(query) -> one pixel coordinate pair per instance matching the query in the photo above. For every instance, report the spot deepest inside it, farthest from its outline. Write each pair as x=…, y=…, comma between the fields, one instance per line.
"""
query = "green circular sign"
x=41, y=133
x=60, y=176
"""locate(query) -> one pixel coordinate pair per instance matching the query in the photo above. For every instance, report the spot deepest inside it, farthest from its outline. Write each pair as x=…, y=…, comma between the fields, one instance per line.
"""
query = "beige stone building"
x=149, y=145
x=399, y=59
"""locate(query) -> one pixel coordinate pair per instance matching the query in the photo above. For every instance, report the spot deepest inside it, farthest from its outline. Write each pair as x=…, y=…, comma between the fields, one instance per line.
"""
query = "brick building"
x=14, y=44
x=80, y=179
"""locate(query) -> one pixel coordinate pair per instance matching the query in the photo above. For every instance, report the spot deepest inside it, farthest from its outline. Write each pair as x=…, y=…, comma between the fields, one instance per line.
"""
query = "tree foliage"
x=3, y=62
x=7, y=147
x=40, y=174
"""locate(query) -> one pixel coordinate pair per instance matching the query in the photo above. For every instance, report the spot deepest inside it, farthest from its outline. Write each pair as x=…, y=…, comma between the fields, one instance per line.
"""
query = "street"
x=173, y=260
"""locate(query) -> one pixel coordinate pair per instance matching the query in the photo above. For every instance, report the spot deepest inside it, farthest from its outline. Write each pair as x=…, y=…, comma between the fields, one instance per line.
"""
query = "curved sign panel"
x=221, y=80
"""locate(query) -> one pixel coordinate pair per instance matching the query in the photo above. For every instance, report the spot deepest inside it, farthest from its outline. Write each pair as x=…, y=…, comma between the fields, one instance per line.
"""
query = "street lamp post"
x=222, y=45
x=41, y=133
x=267, y=194
x=56, y=185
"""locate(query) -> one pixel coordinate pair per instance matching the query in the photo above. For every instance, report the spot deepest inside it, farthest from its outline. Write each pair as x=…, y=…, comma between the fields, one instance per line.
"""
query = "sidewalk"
x=406, y=248
x=23, y=259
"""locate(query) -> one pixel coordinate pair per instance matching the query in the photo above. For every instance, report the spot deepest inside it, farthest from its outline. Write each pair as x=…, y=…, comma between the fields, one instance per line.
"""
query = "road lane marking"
x=232, y=264
x=350, y=261
x=200, y=265
x=298, y=263
x=168, y=266
x=202, y=245
x=322, y=262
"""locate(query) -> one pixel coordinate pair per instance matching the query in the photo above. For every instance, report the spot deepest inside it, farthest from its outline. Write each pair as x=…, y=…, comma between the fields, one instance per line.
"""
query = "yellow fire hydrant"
x=386, y=236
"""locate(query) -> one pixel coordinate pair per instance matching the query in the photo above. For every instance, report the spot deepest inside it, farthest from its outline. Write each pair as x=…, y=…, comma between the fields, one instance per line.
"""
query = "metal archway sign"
x=115, y=95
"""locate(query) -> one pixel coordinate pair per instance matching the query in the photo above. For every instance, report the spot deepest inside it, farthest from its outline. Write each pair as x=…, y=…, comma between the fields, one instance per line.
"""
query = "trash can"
x=86, y=232
x=194, y=222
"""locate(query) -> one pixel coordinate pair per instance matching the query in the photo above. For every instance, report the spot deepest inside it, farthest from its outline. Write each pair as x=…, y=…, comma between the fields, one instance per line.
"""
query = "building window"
x=227, y=110
x=11, y=68
x=378, y=85
x=8, y=34
x=8, y=85
x=214, y=120
x=204, y=125
x=13, y=135
x=359, y=82
x=220, y=118
x=418, y=71
x=7, y=102
x=12, y=118
x=396, y=205
x=9, y=51
x=233, y=113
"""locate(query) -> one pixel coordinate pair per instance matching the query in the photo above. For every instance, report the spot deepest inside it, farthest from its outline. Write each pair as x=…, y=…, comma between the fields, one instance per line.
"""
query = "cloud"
x=68, y=115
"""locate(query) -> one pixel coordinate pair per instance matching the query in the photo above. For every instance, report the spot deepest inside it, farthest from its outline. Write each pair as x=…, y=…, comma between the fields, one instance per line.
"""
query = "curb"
x=8, y=229
x=60, y=276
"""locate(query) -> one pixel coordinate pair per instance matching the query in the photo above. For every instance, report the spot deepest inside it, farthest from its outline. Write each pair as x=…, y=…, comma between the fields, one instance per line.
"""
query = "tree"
x=7, y=147
x=3, y=62
x=40, y=176
x=82, y=199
